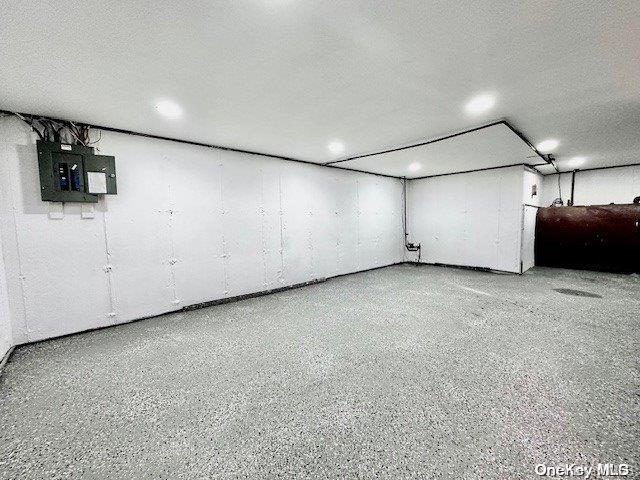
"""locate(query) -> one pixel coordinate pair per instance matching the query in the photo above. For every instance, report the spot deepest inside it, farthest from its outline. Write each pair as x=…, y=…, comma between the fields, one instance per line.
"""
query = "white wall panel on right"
x=471, y=219
x=595, y=187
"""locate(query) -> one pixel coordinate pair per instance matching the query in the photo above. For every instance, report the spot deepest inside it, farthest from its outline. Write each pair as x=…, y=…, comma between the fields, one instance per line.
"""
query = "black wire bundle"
x=59, y=131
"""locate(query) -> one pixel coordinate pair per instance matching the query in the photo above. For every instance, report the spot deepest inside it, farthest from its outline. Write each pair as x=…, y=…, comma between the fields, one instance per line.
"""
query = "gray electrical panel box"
x=73, y=173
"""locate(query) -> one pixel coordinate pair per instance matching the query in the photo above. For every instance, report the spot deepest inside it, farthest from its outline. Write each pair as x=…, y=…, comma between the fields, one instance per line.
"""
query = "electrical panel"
x=73, y=173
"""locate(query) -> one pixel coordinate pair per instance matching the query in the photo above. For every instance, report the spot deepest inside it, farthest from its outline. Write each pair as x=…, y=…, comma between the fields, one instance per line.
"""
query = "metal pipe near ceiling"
x=188, y=142
x=447, y=137
x=603, y=168
x=548, y=158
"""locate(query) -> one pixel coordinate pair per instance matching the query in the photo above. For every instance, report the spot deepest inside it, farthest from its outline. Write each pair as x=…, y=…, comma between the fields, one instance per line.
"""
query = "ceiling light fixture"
x=480, y=104
x=414, y=167
x=169, y=109
x=336, y=148
x=548, y=145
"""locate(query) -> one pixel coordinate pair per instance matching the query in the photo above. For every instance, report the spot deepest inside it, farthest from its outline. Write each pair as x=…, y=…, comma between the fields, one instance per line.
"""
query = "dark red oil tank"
x=597, y=237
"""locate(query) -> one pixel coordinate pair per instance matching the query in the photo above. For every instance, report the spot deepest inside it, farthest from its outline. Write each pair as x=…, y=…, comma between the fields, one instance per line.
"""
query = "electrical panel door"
x=73, y=173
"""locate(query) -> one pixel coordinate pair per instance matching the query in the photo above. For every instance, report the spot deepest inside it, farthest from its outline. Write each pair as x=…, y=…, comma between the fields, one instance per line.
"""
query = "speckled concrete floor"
x=400, y=372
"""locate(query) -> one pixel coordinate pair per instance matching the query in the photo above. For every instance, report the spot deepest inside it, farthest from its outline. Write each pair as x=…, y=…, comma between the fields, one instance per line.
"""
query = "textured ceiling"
x=288, y=77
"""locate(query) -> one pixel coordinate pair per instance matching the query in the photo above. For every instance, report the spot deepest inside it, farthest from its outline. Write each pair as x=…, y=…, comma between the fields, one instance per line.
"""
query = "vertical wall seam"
x=403, y=223
x=21, y=276
x=522, y=213
x=357, y=223
x=108, y=267
x=262, y=232
x=310, y=238
x=498, y=261
x=465, y=247
x=379, y=228
x=281, y=214
x=172, y=251
x=337, y=225
x=521, y=236
x=224, y=243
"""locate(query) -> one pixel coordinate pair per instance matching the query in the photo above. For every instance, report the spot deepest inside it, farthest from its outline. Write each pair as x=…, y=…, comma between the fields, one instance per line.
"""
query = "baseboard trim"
x=262, y=293
x=212, y=303
x=465, y=267
x=238, y=298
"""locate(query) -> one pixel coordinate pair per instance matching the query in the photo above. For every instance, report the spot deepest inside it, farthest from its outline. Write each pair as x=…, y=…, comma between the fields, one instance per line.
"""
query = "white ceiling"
x=489, y=147
x=288, y=77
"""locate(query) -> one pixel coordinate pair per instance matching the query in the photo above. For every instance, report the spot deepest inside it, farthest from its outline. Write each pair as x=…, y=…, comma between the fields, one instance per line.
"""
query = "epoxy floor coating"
x=406, y=371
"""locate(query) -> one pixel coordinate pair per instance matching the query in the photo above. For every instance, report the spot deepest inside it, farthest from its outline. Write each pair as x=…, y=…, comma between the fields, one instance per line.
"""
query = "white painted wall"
x=595, y=187
x=189, y=224
x=472, y=219
x=6, y=337
x=192, y=224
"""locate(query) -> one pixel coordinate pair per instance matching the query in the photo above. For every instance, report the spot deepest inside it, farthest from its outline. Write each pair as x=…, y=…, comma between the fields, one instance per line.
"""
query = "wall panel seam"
x=21, y=276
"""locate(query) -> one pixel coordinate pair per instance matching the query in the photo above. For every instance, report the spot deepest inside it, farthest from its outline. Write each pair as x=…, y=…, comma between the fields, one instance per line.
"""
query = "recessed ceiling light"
x=576, y=162
x=480, y=104
x=548, y=145
x=169, y=109
x=336, y=148
x=414, y=167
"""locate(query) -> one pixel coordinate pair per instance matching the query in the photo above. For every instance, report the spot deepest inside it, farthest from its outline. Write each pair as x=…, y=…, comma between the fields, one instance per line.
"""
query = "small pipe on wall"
x=573, y=188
